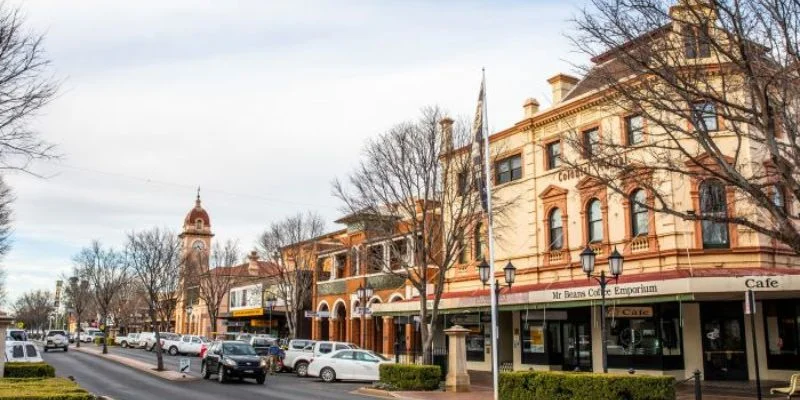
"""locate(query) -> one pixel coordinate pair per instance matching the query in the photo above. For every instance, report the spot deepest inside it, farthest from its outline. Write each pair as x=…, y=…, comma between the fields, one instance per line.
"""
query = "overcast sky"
x=260, y=103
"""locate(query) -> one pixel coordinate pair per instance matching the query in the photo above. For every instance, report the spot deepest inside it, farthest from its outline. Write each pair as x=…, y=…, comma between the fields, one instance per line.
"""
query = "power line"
x=186, y=186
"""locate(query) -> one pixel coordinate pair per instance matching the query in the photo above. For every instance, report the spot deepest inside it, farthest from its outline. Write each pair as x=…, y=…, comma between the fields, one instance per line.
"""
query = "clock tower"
x=195, y=236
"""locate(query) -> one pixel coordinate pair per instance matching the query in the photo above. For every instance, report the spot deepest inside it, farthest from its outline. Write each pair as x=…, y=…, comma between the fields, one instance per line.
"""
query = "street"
x=120, y=382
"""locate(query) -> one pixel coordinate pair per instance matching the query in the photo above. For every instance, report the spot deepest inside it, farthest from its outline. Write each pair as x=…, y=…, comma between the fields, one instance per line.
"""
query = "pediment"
x=552, y=191
x=588, y=183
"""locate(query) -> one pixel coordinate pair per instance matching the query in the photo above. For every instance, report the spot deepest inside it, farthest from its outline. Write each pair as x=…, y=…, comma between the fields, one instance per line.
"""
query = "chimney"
x=252, y=265
x=561, y=85
x=446, y=125
x=531, y=107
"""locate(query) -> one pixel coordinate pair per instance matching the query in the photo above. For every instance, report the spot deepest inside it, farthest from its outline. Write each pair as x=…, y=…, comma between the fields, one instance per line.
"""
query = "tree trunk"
x=159, y=355
x=78, y=331
x=105, y=335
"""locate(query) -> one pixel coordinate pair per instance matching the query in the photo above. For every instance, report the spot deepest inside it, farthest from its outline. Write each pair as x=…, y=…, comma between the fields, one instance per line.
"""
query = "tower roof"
x=197, y=212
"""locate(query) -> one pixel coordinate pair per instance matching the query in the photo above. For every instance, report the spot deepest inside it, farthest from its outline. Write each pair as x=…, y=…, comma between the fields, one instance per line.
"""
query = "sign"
x=262, y=323
x=20, y=325
x=311, y=314
x=364, y=311
x=555, y=315
x=235, y=323
x=630, y=312
x=252, y=312
x=185, y=365
x=324, y=314
x=763, y=283
x=246, y=297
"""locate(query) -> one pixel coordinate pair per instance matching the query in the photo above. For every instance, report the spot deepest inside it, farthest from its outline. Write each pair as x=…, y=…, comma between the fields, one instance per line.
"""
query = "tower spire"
x=197, y=202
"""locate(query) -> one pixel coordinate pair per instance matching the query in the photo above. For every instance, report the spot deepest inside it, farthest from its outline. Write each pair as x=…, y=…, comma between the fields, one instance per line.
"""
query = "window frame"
x=508, y=163
x=626, y=122
x=551, y=229
x=590, y=148
x=590, y=222
x=698, y=115
x=553, y=161
x=478, y=242
x=726, y=244
x=636, y=230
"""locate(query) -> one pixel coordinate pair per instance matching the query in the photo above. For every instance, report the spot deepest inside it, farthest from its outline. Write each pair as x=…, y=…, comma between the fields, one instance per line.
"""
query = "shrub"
x=547, y=385
x=411, y=377
x=42, y=389
x=28, y=370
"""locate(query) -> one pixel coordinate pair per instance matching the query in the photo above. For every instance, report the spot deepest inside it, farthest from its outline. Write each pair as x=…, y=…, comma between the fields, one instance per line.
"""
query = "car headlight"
x=263, y=363
x=229, y=362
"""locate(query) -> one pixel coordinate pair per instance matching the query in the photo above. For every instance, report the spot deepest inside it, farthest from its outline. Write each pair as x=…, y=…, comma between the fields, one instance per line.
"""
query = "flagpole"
x=493, y=282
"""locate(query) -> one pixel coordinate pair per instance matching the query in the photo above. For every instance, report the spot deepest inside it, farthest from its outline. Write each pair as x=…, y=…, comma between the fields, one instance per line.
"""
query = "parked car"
x=295, y=348
x=354, y=364
x=233, y=359
x=22, y=351
x=147, y=340
x=89, y=334
x=129, y=340
x=71, y=337
x=244, y=337
x=56, y=339
x=186, y=344
x=301, y=358
x=262, y=344
x=169, y=340
x=16, y=334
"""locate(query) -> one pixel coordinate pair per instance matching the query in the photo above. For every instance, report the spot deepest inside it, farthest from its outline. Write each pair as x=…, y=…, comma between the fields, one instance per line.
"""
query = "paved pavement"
x=112, y=379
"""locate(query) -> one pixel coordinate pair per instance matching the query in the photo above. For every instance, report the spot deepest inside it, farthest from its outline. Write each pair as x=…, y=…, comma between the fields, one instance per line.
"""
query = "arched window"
x=594, y=220
x=779, y=197
x=461, y=248
x=640, y=221
x=556, y=230
x=714, y=203
x=478, y=238
x=198, y=224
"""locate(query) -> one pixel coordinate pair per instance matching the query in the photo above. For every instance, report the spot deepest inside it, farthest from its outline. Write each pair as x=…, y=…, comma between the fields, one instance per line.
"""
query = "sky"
x=260, y=103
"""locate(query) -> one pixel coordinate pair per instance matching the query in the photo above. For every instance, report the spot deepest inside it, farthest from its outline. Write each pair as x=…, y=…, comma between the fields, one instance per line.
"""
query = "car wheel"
x=173, y=351
x=221, y=375
x=66, y=349
x=204, y=371
x=45, y=349
x=328, y=375
x=301, y=368
x=124, y=345
x=261, y=379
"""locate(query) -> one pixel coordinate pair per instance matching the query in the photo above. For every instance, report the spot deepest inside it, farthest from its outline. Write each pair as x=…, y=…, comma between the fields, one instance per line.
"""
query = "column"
x=352, y=335
x=369, y=329
x=457, y=379
x=5, y=322
x=597, y=340
x=692, y=339
x=409, y=336
x=388, y=335
x=333, y=326
x=316, y=329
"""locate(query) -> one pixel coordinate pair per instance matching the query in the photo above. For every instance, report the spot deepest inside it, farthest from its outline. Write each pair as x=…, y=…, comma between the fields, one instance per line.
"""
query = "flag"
x=477, y=147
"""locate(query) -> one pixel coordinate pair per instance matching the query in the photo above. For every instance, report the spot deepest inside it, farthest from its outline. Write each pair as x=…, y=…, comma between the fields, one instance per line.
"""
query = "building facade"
x=679, y=304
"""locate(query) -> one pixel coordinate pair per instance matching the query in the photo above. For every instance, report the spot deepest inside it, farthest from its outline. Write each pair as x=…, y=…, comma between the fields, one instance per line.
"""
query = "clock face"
x=198, y=245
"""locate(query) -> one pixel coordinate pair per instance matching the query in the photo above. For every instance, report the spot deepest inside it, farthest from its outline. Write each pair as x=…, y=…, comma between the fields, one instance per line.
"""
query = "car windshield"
x=380, y=356
x=53, y=333
x=204, y=339
x=237, y=349
x=17, y=335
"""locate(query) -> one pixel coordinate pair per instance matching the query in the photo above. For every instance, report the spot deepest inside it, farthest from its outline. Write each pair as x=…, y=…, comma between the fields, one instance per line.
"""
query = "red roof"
x=197, y=213
x=265, y=269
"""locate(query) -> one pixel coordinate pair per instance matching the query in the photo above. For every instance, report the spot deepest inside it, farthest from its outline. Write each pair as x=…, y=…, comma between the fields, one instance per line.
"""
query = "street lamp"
x=615, y=266
x=510, y=272
x=189, y=318
x=270, y=300
x=364, y=293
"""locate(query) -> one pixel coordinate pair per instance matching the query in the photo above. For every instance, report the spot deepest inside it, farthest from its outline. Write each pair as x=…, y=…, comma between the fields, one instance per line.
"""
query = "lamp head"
x=587, y=260
x=615, y=263
x=483, y=271
x=511, y=273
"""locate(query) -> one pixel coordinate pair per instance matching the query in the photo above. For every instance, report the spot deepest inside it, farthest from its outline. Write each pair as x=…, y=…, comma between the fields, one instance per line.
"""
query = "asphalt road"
x=111, y=379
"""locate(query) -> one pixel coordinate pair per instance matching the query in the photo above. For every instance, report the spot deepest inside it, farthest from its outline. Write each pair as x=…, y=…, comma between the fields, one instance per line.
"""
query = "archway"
x=377, y=329
x=340, y=333
x=357, y=325
x=324, y=324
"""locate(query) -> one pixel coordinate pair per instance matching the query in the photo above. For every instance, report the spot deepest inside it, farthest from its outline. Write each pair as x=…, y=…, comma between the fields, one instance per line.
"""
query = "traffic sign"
x=185, y=365
x=364, y=311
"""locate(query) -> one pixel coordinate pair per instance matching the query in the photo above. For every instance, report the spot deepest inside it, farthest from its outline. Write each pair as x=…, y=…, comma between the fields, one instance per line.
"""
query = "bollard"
x=397, y=352
x=698, y=390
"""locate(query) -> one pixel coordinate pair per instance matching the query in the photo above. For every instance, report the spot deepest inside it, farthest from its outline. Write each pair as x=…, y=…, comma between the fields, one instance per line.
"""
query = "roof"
x=265, y=269
x=197, y=212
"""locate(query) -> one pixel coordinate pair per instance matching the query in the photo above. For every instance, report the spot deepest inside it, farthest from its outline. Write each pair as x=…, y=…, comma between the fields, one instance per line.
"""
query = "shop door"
x=577, y=346
x=724, y=356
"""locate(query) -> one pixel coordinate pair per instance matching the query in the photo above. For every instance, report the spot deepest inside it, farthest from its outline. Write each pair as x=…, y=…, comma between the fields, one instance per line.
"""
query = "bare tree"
x=294, y=266
x=714, y=85
x=128, y=302
x=154, y=258
x=34, y=309
x=209, y=275
x=413, y=184
x=107, y=272
x=78, y=297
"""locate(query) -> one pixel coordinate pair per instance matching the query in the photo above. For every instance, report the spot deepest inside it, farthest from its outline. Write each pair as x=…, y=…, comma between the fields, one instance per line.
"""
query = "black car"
x=233, y=359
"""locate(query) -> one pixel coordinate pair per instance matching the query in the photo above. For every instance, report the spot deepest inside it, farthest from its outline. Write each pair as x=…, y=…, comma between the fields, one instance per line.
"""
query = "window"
x=591, y=142
x=553, y=155
x=199, y=224
x=345, y=355
x=17, y=352
x=779, y=198
x=594, y=221
x=713, y=203
x=462, y=183
x=556, y=230
x=375, y=261
x=696, y=42
x=479, y=242
x=634, y=129
x=322, y=274
x=341, y=263
x=782, y=329
x=640, y=221
x=508, y=169
x=644, y=342
x=398, y=254
x=325, y=348
x=462, y=250
x=704, y=116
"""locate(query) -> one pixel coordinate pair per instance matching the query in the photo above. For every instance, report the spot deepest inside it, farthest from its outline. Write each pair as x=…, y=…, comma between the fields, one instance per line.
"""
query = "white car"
x=353, y=364
x=188, y=344
x=22, y=351
x=302, y=358
x=88, y=334
x=129, y=340
x=16, y=334
x=56, y=339
x=168, y=341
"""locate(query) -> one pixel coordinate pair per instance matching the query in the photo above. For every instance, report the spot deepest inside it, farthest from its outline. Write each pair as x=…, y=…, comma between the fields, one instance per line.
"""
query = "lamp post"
x=189, y=319
x=510, y=273
x=270, y=303
x=615, y=266
x=364, y=293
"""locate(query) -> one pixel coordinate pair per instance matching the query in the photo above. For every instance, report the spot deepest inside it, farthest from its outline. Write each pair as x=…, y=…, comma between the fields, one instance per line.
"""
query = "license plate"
x=249, y=371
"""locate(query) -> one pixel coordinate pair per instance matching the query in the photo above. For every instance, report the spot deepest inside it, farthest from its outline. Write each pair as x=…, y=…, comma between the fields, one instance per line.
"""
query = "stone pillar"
x=369, y=329
x=388, y=335
x=316, y=329
x=409, y=337
x=333, y=326
x=457, y=379
x=5, y=322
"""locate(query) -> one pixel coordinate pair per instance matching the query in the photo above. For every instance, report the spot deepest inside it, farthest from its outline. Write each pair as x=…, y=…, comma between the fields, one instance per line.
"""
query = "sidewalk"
x=136, y=364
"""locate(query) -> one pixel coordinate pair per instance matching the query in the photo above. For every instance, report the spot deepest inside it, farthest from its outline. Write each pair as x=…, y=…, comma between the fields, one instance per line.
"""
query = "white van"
x=22, y=351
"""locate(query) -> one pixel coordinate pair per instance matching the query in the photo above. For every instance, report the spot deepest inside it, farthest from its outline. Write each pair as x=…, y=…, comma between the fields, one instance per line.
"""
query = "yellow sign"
x=20, y=325
x=630, y=312
x=262, y=323
x=250, y=312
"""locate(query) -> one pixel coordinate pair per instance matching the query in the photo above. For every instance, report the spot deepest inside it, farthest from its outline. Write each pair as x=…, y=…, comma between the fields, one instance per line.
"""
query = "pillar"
x=692, y=339
x=369, y=330
x=5, y=322
x=333, y=326
x=597, y=340
x=409, y=336
x=316, y=329
x=457, y=379
x=388, y=335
